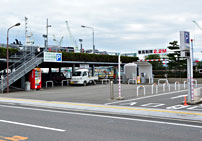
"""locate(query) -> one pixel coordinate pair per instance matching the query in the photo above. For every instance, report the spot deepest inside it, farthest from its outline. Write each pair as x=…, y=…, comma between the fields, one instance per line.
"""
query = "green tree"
x=175, y=62
x=156, y=65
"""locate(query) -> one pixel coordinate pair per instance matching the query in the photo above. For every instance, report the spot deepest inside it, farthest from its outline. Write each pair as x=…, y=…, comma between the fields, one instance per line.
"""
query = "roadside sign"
x=52, y=57
x=154, y=51
x=184, y=40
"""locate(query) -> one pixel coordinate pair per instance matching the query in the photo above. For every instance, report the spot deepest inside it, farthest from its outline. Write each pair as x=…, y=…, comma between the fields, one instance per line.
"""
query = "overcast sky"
x=120, y=25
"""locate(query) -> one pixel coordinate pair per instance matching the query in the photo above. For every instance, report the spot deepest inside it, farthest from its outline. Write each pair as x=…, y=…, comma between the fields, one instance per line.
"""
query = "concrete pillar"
x=93, y=70
x=73, y=68
x=22, y=82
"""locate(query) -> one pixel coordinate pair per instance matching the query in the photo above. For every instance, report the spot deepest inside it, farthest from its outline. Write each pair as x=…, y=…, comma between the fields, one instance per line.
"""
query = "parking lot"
x=100, y=94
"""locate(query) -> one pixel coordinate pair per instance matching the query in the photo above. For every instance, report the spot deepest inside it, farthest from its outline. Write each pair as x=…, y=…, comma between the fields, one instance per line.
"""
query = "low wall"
x=181, y=80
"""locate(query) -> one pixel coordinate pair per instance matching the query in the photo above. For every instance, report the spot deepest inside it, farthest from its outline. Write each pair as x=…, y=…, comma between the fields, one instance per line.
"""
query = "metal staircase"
x=20, y=68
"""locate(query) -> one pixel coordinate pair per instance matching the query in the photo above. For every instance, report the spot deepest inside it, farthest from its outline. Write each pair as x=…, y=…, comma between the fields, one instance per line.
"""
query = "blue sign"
x=186, y=37
x=58, y=57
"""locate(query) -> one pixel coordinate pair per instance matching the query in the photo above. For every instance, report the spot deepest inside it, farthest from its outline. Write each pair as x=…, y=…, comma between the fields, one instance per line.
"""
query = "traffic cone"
x=185, y=101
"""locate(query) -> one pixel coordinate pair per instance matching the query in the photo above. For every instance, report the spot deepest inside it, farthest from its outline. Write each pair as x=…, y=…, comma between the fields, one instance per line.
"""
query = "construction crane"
x=72, y=40
x=197, y=25
x=58, y=43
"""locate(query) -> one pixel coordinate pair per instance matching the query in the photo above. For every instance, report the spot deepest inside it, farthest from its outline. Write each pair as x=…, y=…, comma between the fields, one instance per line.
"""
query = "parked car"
x=56, y=77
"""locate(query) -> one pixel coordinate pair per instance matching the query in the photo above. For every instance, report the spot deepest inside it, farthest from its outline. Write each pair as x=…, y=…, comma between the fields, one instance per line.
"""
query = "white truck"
x=81, y=76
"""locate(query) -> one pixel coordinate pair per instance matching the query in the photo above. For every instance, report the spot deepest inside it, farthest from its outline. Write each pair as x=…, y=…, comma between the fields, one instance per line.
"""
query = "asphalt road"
x=38, y=124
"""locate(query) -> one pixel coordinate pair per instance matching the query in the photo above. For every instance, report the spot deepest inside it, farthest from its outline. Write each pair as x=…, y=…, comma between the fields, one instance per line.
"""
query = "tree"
x=156, y=65
x=175, y=62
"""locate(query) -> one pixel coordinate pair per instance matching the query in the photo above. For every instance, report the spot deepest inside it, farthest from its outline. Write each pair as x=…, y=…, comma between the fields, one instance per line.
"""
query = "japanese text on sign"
x=154, y=51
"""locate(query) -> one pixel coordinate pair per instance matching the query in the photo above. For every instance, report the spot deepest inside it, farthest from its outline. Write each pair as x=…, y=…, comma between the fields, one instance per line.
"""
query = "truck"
x=82, y=77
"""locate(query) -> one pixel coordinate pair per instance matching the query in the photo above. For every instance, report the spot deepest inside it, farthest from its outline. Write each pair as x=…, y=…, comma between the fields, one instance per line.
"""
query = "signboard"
x=154, y=51
x=52, y=57
x=184, y=41
x=84, y=66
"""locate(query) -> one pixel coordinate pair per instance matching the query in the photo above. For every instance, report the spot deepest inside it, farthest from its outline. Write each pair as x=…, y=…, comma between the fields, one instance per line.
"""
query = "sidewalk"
x=107, y=109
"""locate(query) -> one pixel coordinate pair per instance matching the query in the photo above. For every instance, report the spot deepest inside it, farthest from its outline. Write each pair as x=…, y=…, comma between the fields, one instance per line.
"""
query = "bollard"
x=2, y=84
x=111, y=90
x=138, y=90
x=195, y=82
x=177, y=83
x=185, y=84
x=153, y=88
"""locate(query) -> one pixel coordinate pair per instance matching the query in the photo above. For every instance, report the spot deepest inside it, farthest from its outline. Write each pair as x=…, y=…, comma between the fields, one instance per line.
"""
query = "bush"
x=95, y=57
x=3, y=52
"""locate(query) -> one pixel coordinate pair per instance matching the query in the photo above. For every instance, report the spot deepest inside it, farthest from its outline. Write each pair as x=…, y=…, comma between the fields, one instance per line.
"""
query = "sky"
x=119, y=25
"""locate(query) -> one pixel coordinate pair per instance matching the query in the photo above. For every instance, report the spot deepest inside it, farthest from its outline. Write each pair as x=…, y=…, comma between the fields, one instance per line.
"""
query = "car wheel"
x=84, y=83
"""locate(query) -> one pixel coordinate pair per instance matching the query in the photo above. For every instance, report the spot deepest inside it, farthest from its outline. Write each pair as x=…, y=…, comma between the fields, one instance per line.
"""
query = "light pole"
x=81, y=49
x=7, y=59
x=93, y=35
x=47, y=26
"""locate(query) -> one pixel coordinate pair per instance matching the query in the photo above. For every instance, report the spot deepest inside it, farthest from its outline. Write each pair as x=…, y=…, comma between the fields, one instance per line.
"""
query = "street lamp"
x=81, y=49
x=7, y=59
x=93, y=35
x=46, y=43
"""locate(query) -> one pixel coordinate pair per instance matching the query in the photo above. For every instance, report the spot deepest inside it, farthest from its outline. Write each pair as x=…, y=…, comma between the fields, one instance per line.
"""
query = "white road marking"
x=179, y=96
x=31, y=125
x=116, y=102
x=193, y=107
x=111, y=117
x=133, y=103
x=177, y=107
x=152, y=105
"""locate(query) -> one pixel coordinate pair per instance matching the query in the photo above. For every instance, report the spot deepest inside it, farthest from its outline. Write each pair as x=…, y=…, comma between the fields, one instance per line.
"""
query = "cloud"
x=120, y=25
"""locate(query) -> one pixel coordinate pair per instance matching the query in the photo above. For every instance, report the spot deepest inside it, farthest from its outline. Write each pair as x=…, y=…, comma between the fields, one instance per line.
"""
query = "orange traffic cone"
x=185, y=101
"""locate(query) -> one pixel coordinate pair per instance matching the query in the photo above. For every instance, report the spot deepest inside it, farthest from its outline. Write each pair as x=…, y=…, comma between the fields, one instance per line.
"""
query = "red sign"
x=154, y=51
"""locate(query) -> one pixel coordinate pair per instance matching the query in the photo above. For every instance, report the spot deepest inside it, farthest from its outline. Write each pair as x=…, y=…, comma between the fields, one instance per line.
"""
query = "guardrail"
x=163, y=80
x=185, y=84
x=49, y=82
x=152, y=87
x=64, y=81
x=139, y=88
x=164, y=86
x=105, y=80
x=177, y=84
x=133, y=80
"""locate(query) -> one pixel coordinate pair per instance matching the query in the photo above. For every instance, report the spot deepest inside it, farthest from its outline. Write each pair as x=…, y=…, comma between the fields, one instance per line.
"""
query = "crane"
x=197, y=25
x=73, y=41
x=58, y=43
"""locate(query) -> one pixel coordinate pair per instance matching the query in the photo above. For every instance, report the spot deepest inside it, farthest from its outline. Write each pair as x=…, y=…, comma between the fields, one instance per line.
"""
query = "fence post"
x=195, y=82
x=138, y=90
x=153, y=88
x=111, y=90
x=177, y=84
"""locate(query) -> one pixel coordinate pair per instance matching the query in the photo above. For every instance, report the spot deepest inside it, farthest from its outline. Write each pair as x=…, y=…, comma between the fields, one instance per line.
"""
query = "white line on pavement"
x=31, y=125
x=179, y=96
x=111, y=117
x=116, y=102
x=154, y=105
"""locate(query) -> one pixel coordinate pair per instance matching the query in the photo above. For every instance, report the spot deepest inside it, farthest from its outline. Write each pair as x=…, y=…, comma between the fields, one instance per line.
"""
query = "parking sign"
x=58, y=57
x=52, y=57
x=184, y=41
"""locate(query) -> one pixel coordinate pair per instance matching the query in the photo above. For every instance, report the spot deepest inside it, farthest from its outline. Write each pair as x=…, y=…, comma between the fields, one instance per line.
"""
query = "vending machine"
x=35, y=78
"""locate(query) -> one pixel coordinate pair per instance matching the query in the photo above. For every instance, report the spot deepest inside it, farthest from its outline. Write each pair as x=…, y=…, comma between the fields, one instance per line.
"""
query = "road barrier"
x=133, y=80
x=185, y=84
x=64, y=81
x=163, y=80
x=49, y=82
x=111, y=90
x=164, y=86
x=154, y=85
x=105, y=80
x=139, y=88
x=177, y=84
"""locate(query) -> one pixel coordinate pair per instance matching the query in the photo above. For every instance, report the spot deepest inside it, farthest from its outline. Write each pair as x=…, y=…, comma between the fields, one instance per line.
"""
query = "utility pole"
x=47, y=26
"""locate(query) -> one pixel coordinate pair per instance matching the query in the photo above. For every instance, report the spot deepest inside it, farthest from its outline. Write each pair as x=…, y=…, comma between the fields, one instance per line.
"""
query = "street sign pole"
x=191, y=73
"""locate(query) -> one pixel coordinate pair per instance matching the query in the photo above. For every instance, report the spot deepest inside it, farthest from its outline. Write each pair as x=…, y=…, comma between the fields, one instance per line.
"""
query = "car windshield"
x=77, y=73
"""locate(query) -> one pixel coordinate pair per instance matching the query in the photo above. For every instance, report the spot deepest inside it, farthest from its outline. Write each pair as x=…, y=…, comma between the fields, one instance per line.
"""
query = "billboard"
x=52, y=57
x=184, y=41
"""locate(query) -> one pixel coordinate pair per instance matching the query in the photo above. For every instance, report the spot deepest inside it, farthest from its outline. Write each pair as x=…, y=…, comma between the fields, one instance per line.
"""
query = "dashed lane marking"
x=154, y=105
x=179, y=96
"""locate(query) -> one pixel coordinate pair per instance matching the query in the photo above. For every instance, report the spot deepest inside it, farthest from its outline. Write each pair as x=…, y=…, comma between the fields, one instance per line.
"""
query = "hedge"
x=95, y=58
x=3, y=52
